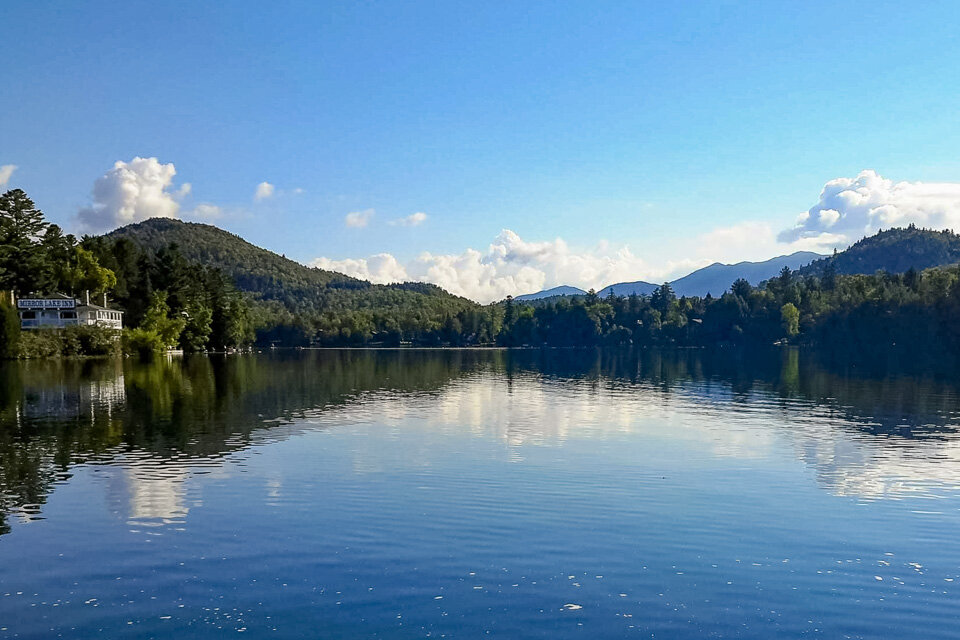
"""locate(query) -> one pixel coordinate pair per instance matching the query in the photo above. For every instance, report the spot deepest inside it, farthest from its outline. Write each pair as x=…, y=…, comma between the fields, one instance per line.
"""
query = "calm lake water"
x=466, y=494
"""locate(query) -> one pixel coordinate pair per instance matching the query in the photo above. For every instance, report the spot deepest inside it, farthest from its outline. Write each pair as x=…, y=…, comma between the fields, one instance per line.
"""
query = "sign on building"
x=51, y=303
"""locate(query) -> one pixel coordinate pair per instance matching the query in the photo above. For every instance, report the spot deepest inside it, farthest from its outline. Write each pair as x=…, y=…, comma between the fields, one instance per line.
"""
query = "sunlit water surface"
x=341, y=494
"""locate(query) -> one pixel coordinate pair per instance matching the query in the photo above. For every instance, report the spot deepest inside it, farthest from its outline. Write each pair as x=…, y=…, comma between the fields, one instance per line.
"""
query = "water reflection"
x=149, y=428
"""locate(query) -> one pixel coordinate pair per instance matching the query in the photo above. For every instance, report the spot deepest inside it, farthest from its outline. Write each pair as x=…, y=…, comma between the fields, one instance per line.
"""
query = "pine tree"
x=22, y=226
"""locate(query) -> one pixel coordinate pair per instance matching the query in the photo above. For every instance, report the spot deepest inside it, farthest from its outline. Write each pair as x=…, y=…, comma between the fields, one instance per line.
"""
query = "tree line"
x=913, y=310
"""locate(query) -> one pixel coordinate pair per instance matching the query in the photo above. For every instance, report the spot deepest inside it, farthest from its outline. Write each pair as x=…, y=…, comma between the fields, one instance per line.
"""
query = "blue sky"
x=638, y=127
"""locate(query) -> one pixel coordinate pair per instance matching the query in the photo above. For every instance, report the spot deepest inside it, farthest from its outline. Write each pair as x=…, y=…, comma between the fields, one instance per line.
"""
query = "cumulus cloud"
x=381, y=268
x=5, y=172
x=131, y=192
x=358, y=219
x=509, y=266
x=264, y=191
x=849, y=208
x=412, y=220
x=205, y=211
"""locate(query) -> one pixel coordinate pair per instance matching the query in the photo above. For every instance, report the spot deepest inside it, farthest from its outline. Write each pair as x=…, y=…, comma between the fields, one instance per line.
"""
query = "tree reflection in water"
x=863, y=430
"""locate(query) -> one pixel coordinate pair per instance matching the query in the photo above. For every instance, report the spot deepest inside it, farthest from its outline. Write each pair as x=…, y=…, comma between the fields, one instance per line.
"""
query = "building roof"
x=52, y=296
x=95, y=307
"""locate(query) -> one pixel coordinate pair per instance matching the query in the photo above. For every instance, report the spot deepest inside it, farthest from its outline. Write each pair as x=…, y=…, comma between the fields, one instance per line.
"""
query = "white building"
x=59, y=311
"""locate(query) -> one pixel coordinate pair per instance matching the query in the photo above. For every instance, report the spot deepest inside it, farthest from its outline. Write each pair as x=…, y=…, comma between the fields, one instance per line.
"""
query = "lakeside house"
x=59, y=311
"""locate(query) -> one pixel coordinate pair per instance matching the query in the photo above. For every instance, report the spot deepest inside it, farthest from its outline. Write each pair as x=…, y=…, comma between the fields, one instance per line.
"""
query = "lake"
x=466, y=494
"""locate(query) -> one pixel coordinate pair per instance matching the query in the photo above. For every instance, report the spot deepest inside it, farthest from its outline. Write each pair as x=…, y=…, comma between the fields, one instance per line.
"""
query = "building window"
x=29, y=315
x=68, y=315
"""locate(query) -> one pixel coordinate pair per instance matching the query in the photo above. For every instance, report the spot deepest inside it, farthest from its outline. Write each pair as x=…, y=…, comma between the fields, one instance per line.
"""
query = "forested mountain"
x=894, y=250
x=298, y=304
x=562, y=290
x=258, y=271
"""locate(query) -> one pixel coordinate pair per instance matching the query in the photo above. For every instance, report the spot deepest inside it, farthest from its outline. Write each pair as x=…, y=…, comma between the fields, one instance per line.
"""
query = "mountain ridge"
x=289, y=294
x=562, y=290
x=714, y=278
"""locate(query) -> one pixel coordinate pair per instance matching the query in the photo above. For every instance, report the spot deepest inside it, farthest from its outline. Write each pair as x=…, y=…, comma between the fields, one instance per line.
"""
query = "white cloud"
x=205, y=211
x=412, y=220
x=131, y=192
x=509, y=266
x=829, y=217
x=850, y=208
x=183, y=191
x=5, y=172
x=264, y=191
x=381, y=268
x=358, y=218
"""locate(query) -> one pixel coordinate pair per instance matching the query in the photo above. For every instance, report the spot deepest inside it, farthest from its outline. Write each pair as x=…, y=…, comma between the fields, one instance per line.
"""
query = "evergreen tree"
x=829, y=281
x=21, y=228
x=742, y=289
x=662, y=298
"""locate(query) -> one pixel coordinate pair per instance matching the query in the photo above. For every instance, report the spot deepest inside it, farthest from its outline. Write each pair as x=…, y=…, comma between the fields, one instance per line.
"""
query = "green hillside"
x=303, y=304
x=894, y=250
x=263, y=273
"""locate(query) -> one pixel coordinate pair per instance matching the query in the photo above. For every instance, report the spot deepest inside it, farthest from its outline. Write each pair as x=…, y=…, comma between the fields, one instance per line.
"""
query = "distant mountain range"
x=713, y=279
x=717, y=278
x=562, y=290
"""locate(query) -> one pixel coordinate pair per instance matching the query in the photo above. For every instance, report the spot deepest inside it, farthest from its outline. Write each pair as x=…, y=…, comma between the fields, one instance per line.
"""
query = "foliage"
x=790, y=319
x=143, y=343
x=157, y=319
x=9, y=331
x=200, y=301
x=197, y=326
x=95, y=340
x=40, y=344
x=25, y=238
x=84, y=273
x=88, y=340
